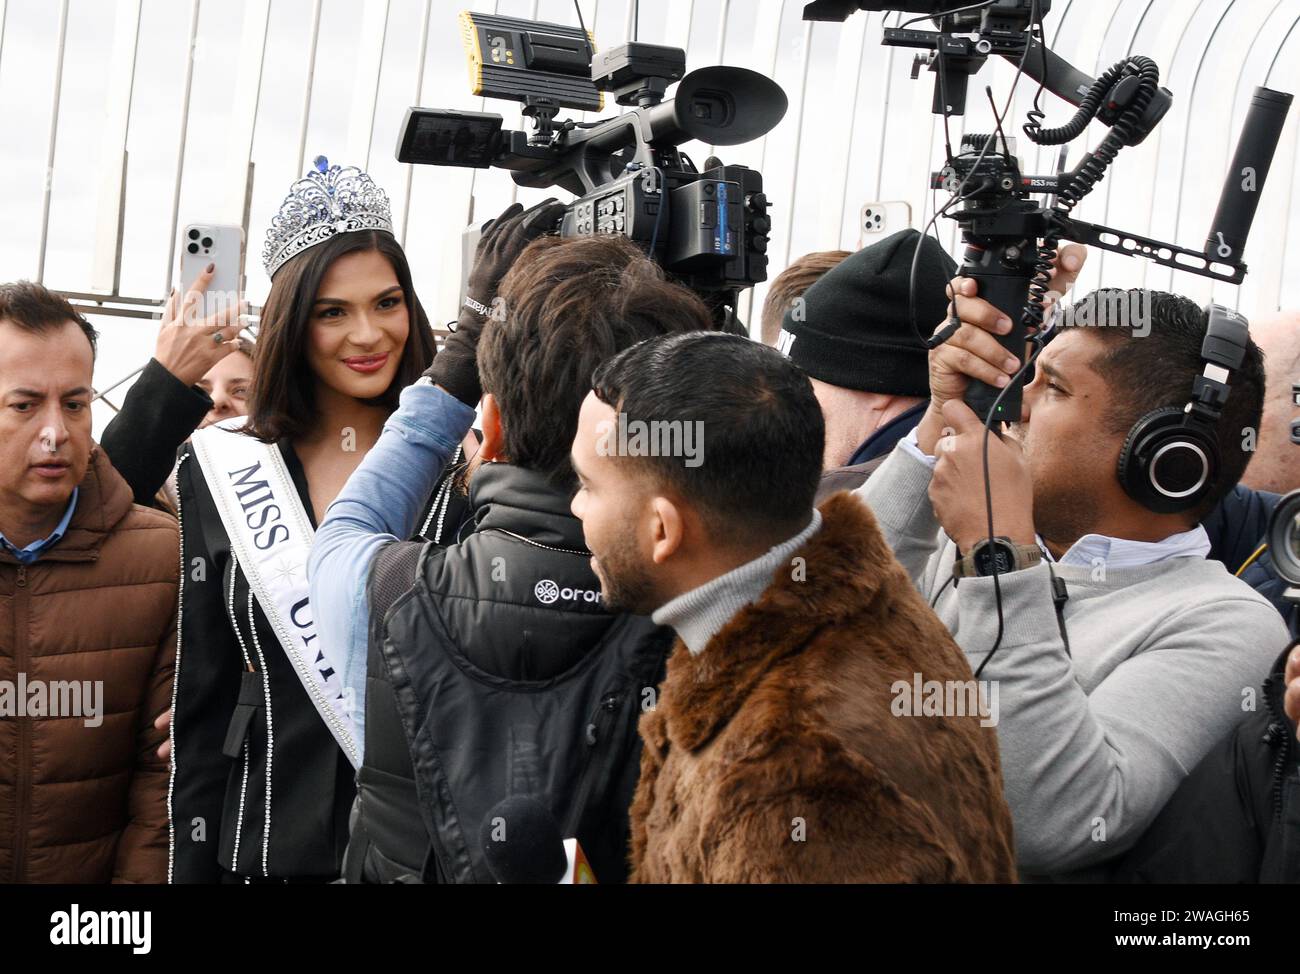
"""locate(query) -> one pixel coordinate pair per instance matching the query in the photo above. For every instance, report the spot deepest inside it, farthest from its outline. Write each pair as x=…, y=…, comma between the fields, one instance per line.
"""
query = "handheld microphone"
x=522, y=844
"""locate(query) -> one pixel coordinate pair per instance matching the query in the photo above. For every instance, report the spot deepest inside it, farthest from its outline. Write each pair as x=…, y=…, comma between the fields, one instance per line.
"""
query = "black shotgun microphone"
x=1245, y=183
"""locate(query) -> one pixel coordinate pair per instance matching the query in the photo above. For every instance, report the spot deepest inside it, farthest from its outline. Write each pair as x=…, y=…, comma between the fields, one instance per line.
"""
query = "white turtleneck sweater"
x=698, y=615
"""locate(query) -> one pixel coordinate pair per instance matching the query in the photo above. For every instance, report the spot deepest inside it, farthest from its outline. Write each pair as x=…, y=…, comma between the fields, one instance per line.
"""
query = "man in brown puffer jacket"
x=88, y=585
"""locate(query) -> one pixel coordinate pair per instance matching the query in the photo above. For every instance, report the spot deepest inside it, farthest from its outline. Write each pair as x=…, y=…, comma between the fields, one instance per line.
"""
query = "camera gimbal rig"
x=1010, y=238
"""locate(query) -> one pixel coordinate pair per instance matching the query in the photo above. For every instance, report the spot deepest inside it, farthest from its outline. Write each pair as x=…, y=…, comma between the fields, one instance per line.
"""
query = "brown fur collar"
x=841, y=574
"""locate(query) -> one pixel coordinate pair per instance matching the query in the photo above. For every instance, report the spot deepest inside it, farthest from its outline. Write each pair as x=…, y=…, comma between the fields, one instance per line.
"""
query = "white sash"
x=271, y=536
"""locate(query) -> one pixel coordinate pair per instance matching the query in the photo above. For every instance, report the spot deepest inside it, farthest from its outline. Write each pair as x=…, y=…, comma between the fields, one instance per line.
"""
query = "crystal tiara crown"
x=327, y=201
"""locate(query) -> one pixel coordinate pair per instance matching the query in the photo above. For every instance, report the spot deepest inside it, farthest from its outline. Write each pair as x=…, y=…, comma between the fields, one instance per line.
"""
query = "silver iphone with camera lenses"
x=202, y=244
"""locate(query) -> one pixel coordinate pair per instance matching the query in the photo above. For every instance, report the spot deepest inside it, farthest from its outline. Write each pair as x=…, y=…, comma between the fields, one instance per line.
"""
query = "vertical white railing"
x=306, y=91
x=882, y=146
x=174, y=223
x=415, y=100
x=107, y=261
x=365, y=89
x=839, y=140
x=235, y=189
x=52, y=143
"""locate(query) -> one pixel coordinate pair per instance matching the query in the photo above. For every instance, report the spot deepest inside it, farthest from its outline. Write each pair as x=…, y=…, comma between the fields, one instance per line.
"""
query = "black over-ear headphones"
x=1170, y=459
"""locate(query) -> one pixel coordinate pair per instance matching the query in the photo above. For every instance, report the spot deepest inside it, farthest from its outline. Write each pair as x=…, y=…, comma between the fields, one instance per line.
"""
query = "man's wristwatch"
x=1000, y=553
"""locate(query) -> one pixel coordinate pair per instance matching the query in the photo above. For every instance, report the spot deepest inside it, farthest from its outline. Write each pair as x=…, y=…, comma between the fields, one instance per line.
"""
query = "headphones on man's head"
x=1170, y=459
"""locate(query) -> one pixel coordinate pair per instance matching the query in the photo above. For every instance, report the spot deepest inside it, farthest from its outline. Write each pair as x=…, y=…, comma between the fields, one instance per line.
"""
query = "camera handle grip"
x=1006, y=289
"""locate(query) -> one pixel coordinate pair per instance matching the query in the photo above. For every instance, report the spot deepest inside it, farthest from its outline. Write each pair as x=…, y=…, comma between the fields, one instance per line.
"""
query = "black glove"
x=455, y=367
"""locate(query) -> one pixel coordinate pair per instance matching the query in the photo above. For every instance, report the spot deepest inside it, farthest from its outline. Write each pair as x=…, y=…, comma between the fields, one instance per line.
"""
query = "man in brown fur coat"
x=778, y=750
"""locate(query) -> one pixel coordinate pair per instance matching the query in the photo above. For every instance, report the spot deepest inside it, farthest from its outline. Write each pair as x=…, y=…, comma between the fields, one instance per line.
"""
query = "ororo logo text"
x=548, y=592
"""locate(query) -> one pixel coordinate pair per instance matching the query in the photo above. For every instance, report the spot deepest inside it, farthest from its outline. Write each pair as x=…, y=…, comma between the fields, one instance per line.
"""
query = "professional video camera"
x=707, y=229
x=1010, y=238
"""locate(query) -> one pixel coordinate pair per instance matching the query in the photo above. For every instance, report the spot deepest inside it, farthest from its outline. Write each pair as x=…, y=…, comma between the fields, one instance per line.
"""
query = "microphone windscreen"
x=521, y=842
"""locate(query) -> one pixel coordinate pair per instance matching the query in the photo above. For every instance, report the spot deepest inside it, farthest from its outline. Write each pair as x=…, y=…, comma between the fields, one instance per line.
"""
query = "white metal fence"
x=126, y=120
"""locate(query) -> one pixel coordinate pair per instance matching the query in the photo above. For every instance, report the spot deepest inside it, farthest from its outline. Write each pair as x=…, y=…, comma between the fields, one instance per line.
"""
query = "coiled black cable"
x=1087, y=110
x=1092, y=169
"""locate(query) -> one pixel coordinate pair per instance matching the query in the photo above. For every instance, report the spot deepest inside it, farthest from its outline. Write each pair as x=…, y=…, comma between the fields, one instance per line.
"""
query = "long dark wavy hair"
x=283, y=400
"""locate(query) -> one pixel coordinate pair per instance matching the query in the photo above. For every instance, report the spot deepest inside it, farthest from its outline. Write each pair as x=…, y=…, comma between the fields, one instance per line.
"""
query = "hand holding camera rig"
x=1010, y=238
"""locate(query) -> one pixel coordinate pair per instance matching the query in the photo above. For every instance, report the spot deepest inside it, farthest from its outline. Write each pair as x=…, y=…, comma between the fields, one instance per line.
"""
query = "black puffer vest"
x=496, y=671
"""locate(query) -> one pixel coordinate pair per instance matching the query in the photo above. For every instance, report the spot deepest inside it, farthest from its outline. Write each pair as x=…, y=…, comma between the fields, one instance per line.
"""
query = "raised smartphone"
x=202, y=244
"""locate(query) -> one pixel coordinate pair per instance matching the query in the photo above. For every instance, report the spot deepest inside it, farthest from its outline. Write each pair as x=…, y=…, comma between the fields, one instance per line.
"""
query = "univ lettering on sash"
x=271, y=536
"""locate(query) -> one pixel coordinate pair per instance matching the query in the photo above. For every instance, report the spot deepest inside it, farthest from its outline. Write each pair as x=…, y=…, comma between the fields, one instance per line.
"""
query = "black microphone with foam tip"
x=522, y=843
x=1245, y=183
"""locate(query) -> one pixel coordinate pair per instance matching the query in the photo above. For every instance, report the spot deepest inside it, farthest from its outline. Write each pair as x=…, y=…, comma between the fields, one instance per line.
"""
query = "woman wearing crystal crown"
x=262, y=738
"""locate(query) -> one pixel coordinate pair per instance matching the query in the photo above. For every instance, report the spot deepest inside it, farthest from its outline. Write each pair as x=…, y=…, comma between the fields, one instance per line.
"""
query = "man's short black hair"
x=1151, y=357
x=763, y=432
x=39, y=310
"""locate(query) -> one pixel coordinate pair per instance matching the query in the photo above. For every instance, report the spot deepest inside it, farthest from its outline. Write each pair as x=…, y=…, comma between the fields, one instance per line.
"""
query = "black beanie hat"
x=853, y=329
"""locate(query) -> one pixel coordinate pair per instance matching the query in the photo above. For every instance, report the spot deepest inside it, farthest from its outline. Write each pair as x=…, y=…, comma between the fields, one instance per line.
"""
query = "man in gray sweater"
x=1119, y=654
